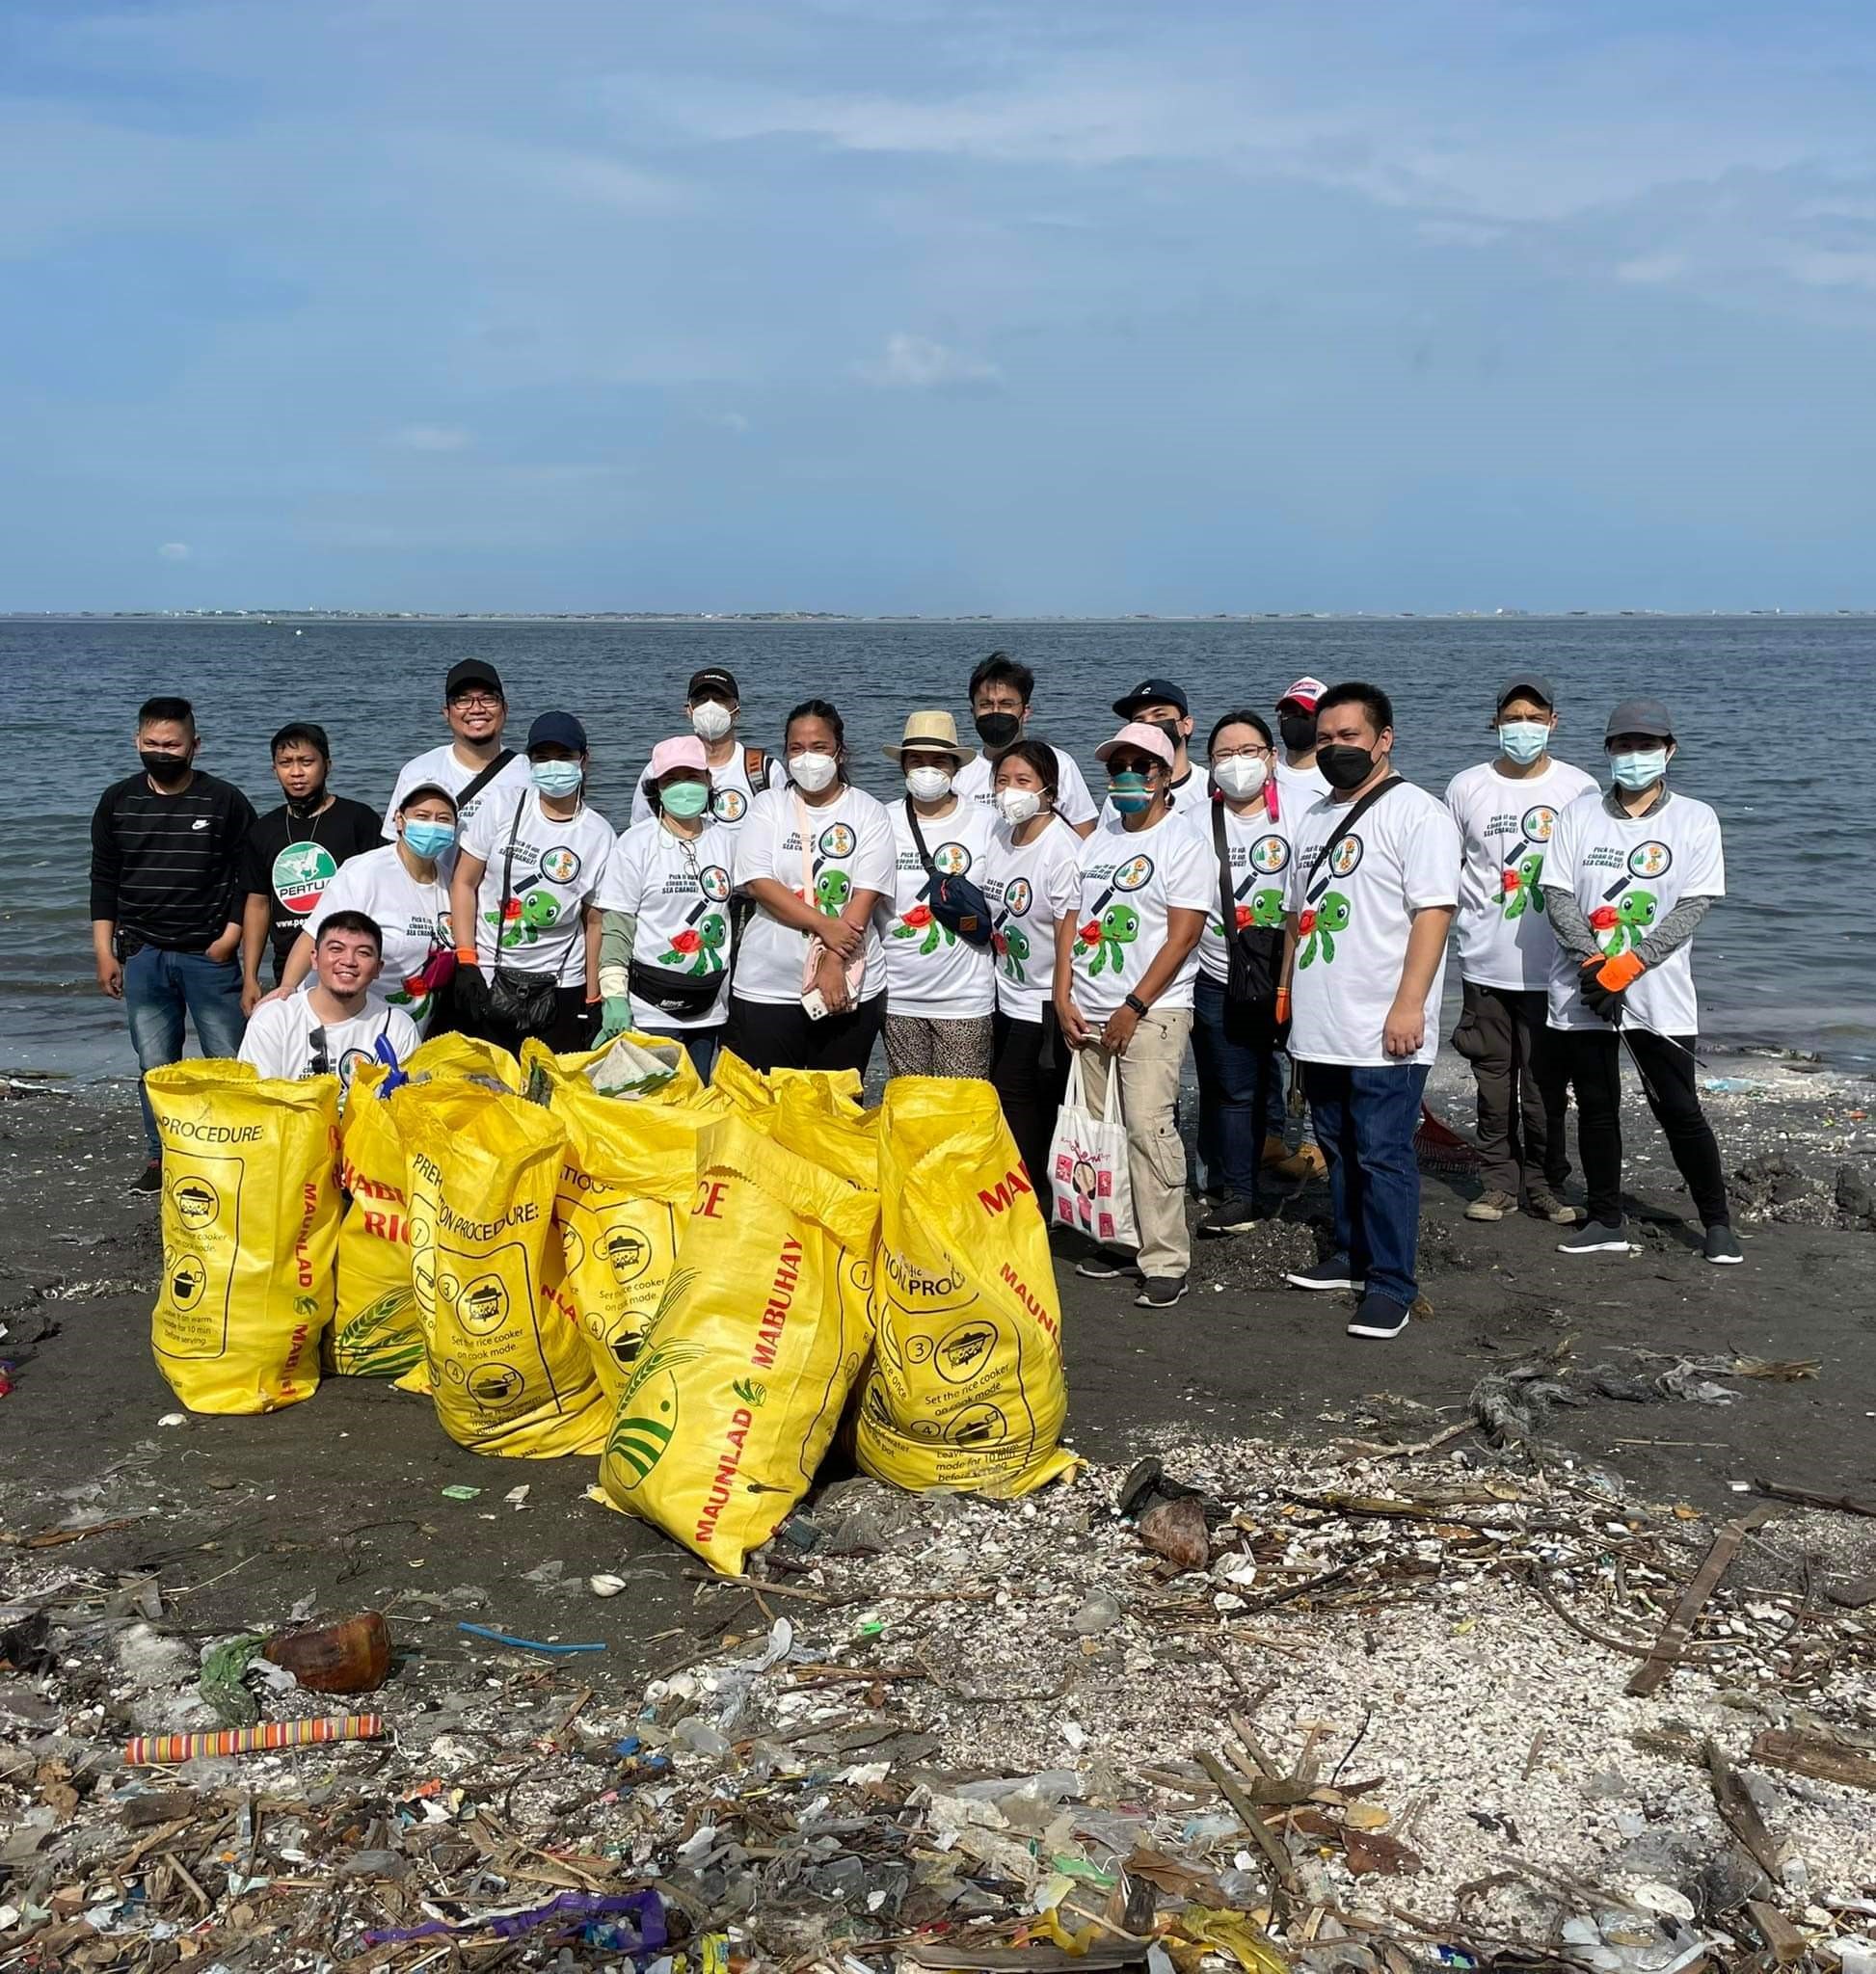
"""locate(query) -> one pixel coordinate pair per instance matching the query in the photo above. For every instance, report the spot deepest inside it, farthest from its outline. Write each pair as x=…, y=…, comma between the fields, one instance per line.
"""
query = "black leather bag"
x=519, y=1000
x=956, y=903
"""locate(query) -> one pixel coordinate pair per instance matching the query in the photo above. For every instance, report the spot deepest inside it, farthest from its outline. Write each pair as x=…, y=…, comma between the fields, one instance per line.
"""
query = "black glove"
x=1605, y=1002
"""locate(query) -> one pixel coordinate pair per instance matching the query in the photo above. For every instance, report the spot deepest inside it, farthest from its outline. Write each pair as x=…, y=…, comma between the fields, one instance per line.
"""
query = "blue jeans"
x=158, y=988
x=1230, y=1064
x=1365, y=1119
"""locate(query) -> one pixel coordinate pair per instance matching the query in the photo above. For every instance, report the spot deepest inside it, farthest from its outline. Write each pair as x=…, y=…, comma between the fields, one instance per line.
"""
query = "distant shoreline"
x=794, y=617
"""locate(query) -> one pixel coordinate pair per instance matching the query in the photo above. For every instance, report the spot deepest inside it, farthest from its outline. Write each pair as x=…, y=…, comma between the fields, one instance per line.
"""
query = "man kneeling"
x=336, y=1024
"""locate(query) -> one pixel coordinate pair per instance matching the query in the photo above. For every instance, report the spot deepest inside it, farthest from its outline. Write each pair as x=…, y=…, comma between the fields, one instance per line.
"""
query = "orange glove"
x=465, y=956
x=1283, y=1004
x=1619, y=970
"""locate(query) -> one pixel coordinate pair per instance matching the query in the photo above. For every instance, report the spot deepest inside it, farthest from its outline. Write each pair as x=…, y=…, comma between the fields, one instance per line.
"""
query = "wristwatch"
x=1136, y=1003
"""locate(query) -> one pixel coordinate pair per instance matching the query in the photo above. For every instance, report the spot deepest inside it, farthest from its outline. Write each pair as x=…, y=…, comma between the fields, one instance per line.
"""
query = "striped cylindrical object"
x=155, y=1750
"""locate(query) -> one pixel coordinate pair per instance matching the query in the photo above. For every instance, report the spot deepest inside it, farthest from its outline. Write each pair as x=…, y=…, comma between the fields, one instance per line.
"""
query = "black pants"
x=1029, y=1067
x=1667, y=1066
x=769, y=1036
x=575, y=1022
x=1523, y=1088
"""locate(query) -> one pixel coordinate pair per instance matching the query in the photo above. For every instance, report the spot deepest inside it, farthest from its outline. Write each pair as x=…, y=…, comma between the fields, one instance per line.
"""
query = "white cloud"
x=430, y=438
x=175, y=551
x=915, y=362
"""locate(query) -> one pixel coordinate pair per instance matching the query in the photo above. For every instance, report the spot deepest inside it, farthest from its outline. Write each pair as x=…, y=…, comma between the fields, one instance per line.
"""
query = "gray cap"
x=1640, y=716
x=1533, y=685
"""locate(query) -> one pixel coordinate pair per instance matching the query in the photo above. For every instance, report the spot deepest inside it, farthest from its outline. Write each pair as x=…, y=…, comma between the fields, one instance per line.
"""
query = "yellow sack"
x=464, y=1056
x=643, y=1068
x=622, y=1198
x=748, y=1362
x=732, y=1077
x=821, y=1124
x=508, y=1372
x=377, y=1332
x=966, y=1389
x=250, y=1231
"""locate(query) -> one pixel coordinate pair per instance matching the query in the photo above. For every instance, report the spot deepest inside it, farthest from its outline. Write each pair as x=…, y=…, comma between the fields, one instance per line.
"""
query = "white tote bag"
x=1087, y=1165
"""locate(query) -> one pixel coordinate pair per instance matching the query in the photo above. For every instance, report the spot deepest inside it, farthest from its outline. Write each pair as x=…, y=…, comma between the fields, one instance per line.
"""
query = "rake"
x=1439, y=1148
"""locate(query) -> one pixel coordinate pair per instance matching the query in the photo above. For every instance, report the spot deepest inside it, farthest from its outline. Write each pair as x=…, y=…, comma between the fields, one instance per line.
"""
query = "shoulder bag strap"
x=482, y=780
x=1227, y=901
x=757, y=767
x=1348, y=821
x=918, y=841
x=508, y=872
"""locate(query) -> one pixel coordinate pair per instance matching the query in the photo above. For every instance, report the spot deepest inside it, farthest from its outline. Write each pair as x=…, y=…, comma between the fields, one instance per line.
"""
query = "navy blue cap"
x=1151, y=692
x=556, y=729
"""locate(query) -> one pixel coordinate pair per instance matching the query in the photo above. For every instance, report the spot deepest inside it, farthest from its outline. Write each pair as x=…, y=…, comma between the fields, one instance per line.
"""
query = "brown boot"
x=1274, y=1154
x=1306, y=1162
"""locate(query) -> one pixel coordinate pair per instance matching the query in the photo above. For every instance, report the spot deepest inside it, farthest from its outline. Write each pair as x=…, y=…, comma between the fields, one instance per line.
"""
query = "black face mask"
x=1170, y=728
x=997, y=729
x=1345, y=767
x=304, y=808
x=166, y=770
x=1299, y=730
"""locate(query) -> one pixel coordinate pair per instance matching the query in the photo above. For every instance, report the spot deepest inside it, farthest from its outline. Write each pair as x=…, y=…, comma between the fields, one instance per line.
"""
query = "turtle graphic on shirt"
x=1012, y=945
x=1520, y=884
x=920, y=919
x=1624, y=926
x=1317, y=927
x=523, y=920
x=1100, y=942
x=831, y=890
x=701, y=945
x=1264, y=911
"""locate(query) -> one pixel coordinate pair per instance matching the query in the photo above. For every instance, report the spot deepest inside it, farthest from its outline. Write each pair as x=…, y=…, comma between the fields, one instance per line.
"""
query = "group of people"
x=1281, y=905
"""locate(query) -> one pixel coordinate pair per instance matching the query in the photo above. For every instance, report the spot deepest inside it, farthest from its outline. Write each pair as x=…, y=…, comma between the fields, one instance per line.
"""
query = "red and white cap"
x=1148, y=739
x=1304, y=693
x=682, y=750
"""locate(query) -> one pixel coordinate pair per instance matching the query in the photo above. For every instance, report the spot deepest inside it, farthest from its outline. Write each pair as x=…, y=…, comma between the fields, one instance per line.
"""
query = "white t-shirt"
x=1259, y=853
x=730, y=789
x=557, y=866
x=1299, y=787
x=442, y=766
x=929, y=970
x=678, y=890
x=976, y=783
x=287, y=1038
x=1504, y=931
x=1628, y=874
x=850, y=849
x=1130, y=880
x=1355, y=917
x=414, y=919
x=1031, y=886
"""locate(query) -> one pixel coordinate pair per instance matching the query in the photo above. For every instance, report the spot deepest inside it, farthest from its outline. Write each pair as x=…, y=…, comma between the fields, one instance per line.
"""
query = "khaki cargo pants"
x=1156, y=1155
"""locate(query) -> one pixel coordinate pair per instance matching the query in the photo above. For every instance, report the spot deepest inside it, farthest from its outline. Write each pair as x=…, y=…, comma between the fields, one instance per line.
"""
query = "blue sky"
x=967, y=305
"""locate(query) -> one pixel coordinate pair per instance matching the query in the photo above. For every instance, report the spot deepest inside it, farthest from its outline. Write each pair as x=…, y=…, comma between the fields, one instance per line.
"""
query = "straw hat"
x=935, y=733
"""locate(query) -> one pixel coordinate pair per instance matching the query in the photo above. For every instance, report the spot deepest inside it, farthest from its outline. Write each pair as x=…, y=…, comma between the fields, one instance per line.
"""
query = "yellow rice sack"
x=251, y=1210
x=622, y=1197
x=376, y=1332
x=738, y=1391
x=644, y=1068
x=966, y=1388
x=464, y=1056
x=509, y=1374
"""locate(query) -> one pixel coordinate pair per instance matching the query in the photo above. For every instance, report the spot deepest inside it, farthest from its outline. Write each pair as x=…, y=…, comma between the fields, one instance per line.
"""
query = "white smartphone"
x=815, y=1004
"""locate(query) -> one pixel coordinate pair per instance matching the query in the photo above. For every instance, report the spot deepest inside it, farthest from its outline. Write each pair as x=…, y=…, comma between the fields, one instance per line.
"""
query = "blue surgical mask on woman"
x=1641, y=769
x=428, y=840
x=558, y=778
x=1129, y=793
x=1522, y=741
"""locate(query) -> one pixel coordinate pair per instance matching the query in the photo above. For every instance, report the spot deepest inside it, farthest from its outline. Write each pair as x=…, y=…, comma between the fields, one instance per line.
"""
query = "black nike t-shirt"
x=291, y=863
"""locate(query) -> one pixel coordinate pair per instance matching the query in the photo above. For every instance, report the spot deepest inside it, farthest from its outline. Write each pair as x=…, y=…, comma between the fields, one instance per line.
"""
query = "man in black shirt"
x=294, y=851
x=165, y=900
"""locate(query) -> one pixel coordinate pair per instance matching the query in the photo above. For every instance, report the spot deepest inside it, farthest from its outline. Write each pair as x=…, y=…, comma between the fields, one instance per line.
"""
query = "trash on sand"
x=644, y=1910
x=503, y=1638
x=1176, y=1530
x=458, y=1491
x=350, y=1655
x=161, y=1750
x=605, y=1585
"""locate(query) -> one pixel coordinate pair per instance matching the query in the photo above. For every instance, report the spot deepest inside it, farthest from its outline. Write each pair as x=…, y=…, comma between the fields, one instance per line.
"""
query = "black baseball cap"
x=712, y=679
x=1533, y=685
x=468, y=671
x=1151, y=692
x=1640, y=716
x=556, y=729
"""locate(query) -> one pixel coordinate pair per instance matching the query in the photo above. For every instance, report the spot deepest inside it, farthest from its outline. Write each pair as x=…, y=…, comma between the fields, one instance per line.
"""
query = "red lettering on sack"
x=718, y=1498
x=710, y=1200
x=775, y=1312
x=1032, y=1303
x=391, y=1227
x=302, y=1257
x=996, y=1200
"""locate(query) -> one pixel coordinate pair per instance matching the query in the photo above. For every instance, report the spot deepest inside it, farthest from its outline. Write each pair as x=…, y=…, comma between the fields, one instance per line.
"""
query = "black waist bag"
x=683, y=997
x=1253, y=954
x=519, y=1000
x=956, y=903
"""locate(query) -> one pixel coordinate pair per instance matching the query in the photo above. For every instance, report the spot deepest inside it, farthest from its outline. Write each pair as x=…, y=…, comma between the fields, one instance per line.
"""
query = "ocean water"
x=1775, y=718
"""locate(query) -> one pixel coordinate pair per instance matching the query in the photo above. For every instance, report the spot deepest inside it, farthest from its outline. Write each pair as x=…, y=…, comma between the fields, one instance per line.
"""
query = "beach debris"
x=1176, y=1530
x=349, y=1655
x=165, y=1751
x=1811, y=1755
x=548, y=1648
x=1805, y=1497
x=1665, y=1653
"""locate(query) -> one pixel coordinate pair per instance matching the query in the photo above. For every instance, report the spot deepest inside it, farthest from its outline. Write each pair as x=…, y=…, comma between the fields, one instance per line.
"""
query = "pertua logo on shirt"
x=301, y=873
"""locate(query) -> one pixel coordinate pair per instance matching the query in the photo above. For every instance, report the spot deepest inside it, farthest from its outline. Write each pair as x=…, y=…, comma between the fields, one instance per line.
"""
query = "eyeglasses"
x=1254, y=751
x=478, y=701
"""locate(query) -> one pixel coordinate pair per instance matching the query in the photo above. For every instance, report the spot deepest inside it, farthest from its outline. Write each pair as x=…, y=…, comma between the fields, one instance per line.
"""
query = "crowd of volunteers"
x=1280, y=904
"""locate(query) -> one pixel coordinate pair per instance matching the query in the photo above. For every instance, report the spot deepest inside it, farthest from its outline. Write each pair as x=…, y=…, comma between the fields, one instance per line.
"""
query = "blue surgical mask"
x=558, y=777
x=428, y=840
x=1641, y=769
x=1129, y=793
x=686, y=800
x=1523, y=740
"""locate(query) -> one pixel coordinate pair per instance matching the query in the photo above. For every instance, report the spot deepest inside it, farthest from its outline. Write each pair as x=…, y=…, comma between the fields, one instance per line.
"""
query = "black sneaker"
x=1380, y=1315
x=1723, y=1246
x=1597, y=1239
x=1236, y=1216
x=149, y=1179
x=1160, y=1291
x=1104, y=1267
x=1333, y=1273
